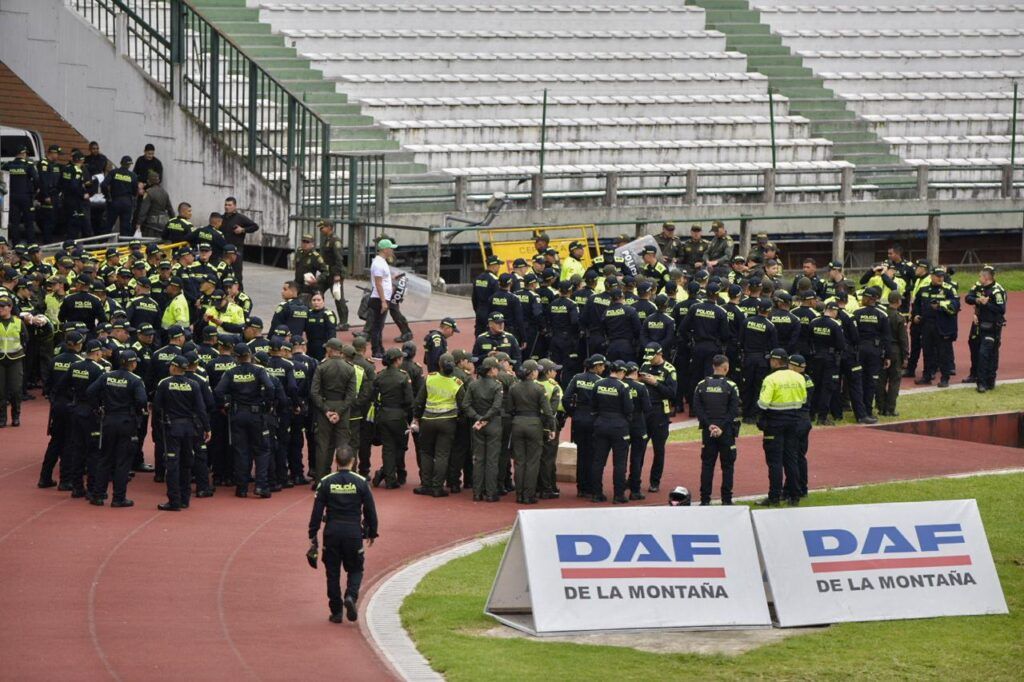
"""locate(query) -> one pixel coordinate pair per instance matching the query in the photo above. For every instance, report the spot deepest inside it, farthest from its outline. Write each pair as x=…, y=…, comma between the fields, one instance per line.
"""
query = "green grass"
x=943, y=403
x=966, y=276
x=445, y=615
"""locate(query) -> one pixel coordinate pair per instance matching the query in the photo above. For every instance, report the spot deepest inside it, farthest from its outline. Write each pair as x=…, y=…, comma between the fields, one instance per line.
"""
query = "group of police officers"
x=163, y=342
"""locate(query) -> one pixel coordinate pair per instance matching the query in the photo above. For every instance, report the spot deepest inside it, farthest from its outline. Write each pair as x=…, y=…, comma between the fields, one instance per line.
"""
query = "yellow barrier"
x=510, y=249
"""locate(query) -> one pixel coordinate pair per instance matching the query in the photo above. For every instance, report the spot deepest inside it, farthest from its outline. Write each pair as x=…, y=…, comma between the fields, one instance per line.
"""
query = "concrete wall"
x=109, y=99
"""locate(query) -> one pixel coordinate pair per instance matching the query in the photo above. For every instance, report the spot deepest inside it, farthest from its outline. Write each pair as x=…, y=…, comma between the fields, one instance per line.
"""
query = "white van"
x=13, y=139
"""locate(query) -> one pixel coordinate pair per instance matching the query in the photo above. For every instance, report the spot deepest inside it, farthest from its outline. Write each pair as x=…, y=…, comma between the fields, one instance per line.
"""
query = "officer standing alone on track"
x=716, y=402
x=613, y=408
x=182, y=410
x=346, y=499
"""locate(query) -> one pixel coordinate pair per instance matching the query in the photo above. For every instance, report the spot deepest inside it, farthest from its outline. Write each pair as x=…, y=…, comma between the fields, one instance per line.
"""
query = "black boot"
x=15, y=415
x=3, y=417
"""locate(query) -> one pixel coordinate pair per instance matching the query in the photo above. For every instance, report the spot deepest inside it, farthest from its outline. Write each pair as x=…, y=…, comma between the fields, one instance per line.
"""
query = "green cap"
x=386, y=244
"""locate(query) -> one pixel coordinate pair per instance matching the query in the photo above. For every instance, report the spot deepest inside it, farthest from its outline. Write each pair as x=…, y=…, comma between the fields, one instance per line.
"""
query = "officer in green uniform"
x=309, y=267
x=391, y=403
x=670, y=245
x=693, y=250
x=719, y=251
x=546, y=479
x=436, y=414
x=532, y=424
x=332, y=394
x=359, y=437
x=333, y=253
x=507, y=377
x=482, y=405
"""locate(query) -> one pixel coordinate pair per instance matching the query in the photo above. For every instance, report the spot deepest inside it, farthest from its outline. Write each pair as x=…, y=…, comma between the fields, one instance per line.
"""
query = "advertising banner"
x=878, y=562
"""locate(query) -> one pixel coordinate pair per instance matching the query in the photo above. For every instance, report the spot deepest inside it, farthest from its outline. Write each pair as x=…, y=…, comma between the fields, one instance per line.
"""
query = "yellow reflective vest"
x=783, y=390
x=441, y=396
x=176, y=313
x=10, y=340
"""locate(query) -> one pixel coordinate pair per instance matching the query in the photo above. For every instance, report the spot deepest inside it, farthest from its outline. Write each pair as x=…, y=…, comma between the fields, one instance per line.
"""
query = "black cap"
x=180, y=361
x=128, y=356
x=496, y=317
x=779, y=354
x=494, y=260
x=797, y=360
x=596, y=359
x=450, y=322
x=242, y=349
x=175, y=330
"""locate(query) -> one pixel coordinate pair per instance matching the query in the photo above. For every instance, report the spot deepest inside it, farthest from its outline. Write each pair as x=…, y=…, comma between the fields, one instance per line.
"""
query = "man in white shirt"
x=381, y=289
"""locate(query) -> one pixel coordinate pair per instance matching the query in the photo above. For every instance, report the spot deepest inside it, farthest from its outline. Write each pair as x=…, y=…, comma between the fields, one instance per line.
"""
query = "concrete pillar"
x=611, y=190
x=537, y=192
x=1006, y=182
x=691, y=186
x=933, y=237
x=922, y=182
x=639, y=229
x=383, y=196
x=434, y=259
x=745, y=239
x=358, y=265
x=846, y=184
x=839, y=237
x=461, y=192
x=769, y=186
x=121, y=33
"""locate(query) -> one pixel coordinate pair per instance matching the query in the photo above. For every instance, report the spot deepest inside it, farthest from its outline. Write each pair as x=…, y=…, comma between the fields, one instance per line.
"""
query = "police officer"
x=578, y=403
x=787, y=325
x=564, y=326
x=613, y=409
x=391, y=399
x=653, y=269
x=321, y=325
x=706, y=326
x=75, y=192
x=484, y=287
x=360, y=436
x=482, y=405
x=781, y=399
x=621, y=328
x=935, y=309
x=303, y=367
x=121, y=188
x=989, y=300
x=661, y=380
x=920, y=279
x=716, y=402
x=496, y=339
x=658, y=327
x=309, y=267
x=49, y=170
x=693, y=249
x=642, y=411
x=82, y=446
x=291, y=312
x=347, y=501
x=243, y=391
x=573, y=265
x=333, y=252
x=13, y=341
x=532, y=423
x=82, y=306
x=828, y=345
x=719, y=251
x=670, y=245
x=505, y=302
x=875, y=340
x=757, y=338
x=282, y=369
x=59, y=423
x=332, y=394
x=436, y=412
x=435, y=343
x=23, y=185
x=121, y=398
x=180, y=403
x=889, y=384
x=534, y=315
x=798, y=364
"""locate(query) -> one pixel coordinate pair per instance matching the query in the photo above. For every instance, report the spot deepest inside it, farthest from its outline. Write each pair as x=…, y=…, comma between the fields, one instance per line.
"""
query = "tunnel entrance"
x=1005, y=428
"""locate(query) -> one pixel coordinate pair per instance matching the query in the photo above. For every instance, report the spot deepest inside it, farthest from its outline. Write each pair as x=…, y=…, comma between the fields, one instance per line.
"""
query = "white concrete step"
x=582, y=17
x=501, y=40
x=954, y=147
x=568, y=106
x=929, y=102
x=335, y=65
x=904, y=39
x=762, y=4
x=473, y=131
x=425, y=85
x=918, y=125
x=930, y=81
x=624, y=151
x=963, y=15
x=913, y=60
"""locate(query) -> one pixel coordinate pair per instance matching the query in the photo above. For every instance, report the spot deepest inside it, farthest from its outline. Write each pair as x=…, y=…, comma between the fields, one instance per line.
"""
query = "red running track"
x=222, y=591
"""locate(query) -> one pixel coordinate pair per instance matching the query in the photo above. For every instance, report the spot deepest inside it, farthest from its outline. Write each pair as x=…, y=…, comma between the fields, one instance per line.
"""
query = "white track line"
x=384, y=622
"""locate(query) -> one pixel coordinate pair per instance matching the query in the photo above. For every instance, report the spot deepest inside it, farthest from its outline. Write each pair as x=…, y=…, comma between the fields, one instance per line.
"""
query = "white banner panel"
x=614, y=569
x=878, y=562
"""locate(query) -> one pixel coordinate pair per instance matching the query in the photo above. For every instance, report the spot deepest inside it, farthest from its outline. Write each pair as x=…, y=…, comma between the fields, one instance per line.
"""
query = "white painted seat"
x=866, y=16
x=884, y=103
x=917, y=125
x=912, y=60
x=903, y=39
x=954, y=147
x=928, y=81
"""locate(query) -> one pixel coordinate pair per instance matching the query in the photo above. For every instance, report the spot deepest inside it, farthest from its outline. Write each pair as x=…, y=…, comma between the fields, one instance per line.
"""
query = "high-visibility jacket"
x=783, y=390
x=177, y=312
x=441, y=396
x=11, y=347
x=570, y=267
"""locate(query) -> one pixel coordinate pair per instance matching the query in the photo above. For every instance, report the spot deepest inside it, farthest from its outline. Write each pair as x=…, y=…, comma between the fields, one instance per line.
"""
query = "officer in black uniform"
x=49, y=193
x=505, y=302
x=435, y=343
x=23, y=185
x=989, y=300
x=578, y=404
x=621, y=328
x=638, y=436
x=291, y=312
x=347, y=501
x=59, y=424
x=243, y=390
x=391, y=398
x=82, y=306
x=121, y=397
x=564, y=326
x=757, y=338
x=716, y=402
x=179, y=401
x=121, y=188
x=613, y=409
x=484, y=287
x=706, y=326
x=662, y=383
x=496, y=339
x=828, y=345
x=219, y=449
x=875, y=342
x=787, y=325
x=659, y=327
x=82, y=446
x=935, y=309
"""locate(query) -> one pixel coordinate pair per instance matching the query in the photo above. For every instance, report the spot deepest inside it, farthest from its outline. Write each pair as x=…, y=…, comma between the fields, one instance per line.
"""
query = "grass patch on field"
x=445, y=613
x=941, y=403
x=966, y=276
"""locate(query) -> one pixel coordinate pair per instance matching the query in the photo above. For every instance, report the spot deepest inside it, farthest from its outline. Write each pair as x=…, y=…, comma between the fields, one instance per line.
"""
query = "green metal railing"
x=275, y=134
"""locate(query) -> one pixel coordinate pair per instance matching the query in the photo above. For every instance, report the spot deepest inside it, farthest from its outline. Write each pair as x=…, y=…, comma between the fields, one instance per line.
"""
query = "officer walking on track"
x=243, y=391
x=613, y=408
x=332, y=394
x=182, y=409
x=782, y=398
x=482, y=406
x=121, y=397
x=391, y=400
x=346, y=499
x=716, y=402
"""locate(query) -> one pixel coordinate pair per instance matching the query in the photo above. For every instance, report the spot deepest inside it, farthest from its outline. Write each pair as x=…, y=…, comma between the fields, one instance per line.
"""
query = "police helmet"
x=679, y=497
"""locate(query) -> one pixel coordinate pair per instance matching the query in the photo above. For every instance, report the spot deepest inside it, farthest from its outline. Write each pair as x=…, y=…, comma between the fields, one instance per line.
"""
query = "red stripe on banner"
x=874, y=564
x=711, y=572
